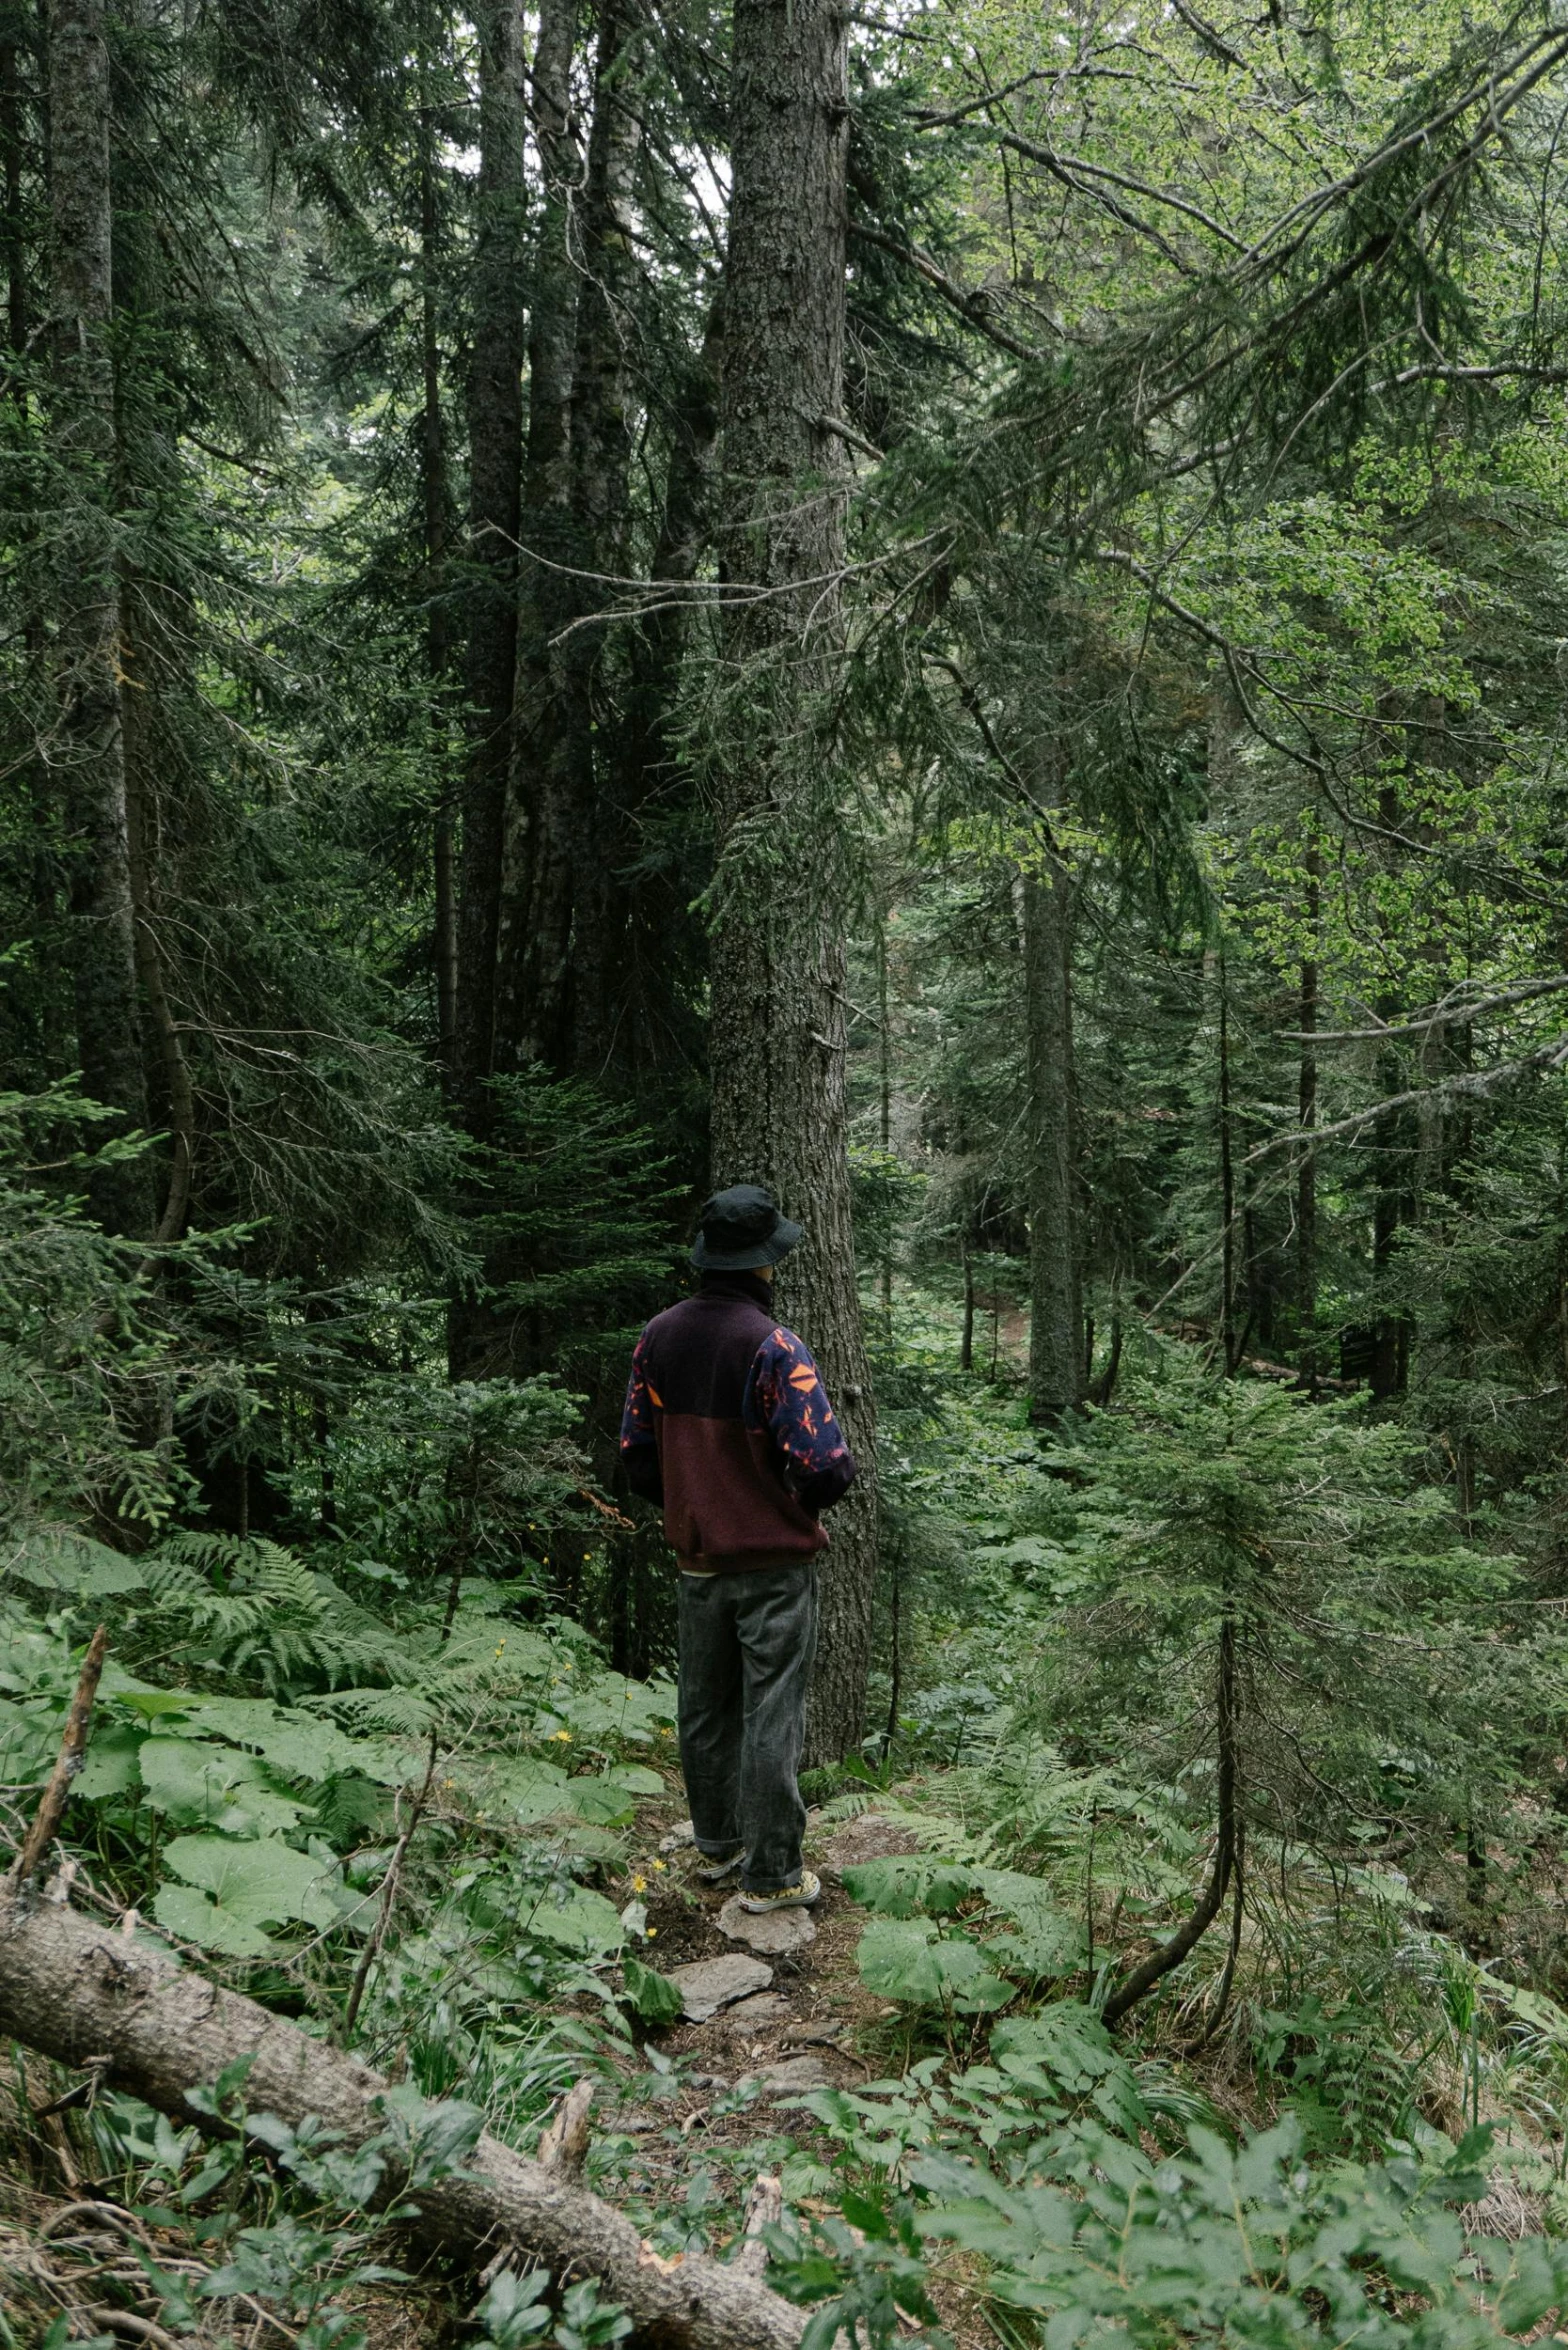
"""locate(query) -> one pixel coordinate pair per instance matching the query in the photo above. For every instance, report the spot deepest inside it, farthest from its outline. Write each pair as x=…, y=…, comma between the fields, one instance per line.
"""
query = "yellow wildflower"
x=639, y=1884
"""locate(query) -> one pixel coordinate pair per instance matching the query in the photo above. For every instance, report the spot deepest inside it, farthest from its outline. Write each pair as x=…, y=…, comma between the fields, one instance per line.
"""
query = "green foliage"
x=656, y=1999
x=1308, y=1529
x=1247, y=2243
x=868, y=2262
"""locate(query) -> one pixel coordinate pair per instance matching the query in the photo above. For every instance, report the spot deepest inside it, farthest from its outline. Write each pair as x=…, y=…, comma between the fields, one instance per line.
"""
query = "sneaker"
x=714, y=1872
x=801, y=1896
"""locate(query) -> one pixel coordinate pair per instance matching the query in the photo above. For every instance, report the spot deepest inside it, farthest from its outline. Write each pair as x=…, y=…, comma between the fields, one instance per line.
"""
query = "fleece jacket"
x=727, y=1424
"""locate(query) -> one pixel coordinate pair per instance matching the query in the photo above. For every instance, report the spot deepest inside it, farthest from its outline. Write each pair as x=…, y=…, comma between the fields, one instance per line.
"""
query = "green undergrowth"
x=379, y=1780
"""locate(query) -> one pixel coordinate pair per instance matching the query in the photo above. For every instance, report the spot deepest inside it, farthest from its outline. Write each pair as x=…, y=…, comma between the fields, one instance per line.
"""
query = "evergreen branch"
x=1465, y=1085
x=1449, y=1013
x=968, y=306
x=1061, y=167
x=969, y=696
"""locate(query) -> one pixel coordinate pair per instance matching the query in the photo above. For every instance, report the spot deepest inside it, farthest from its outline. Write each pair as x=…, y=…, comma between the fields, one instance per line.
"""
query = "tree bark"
x=436, y=495
x=13, y=237
x=495, y=473
x=584, y=776
x=536, y=910
x=654, y=950
x=1164, y=1961
x=173, y=1073
x=1306, y=1119
x=71, y=1990
x=777, y=1030
x=1056, y=1307
x=90, y=744
x=1231, y=1341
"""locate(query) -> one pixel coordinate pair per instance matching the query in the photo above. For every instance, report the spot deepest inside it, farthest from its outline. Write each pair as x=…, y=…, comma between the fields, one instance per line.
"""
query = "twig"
x=605, y=1510
x=389, y=1887
x=73, y=1745
x=125, y=2321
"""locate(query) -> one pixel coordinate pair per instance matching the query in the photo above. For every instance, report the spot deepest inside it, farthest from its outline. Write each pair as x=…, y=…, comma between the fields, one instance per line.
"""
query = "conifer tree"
x=777, y=1030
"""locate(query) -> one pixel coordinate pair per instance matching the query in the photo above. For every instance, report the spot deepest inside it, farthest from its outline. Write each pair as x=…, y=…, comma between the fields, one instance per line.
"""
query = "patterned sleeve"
x=639, y=1438
x=785, y=1395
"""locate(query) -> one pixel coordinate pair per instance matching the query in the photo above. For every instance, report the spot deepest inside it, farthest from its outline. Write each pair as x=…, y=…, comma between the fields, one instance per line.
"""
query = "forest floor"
x=728, y=2098
x=813, y=2025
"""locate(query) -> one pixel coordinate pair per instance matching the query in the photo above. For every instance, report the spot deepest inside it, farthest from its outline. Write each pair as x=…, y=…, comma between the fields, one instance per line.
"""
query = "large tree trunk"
x=495, y=474
x=536, y=914
x=1056, y=1348
x=73, y=1992
x=436, y=495
x=13, y=153
x=778, y=1043
x=1307, y=1118
x=654, y=950
x=90, y=746
x=601, y=455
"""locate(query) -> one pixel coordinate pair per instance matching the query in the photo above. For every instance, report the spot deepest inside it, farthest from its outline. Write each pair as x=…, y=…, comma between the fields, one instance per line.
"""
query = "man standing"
x=727, y=1425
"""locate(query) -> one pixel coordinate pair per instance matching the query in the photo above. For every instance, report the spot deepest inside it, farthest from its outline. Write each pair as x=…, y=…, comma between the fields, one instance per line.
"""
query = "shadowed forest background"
x=962, y=610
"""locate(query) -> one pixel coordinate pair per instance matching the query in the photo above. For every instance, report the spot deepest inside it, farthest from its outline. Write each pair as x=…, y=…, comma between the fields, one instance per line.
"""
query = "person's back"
x=727, y=1424
x=745, y=1449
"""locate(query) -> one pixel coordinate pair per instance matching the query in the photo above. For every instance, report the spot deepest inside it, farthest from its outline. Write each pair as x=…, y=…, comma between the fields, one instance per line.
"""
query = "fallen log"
x=78, y=1993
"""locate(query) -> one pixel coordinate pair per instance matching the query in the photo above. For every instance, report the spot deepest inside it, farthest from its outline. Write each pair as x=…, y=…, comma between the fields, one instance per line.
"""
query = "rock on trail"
x=783, y=1930
x=708, y=1984
x=761, y=2013
x=790, y=2074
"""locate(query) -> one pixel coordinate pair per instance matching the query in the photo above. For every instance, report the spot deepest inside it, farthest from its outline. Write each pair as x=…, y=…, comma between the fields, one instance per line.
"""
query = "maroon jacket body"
x=727, y=1424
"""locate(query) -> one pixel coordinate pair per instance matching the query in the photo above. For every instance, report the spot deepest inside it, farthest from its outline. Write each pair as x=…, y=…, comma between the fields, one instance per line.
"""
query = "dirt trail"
x=800, y=2030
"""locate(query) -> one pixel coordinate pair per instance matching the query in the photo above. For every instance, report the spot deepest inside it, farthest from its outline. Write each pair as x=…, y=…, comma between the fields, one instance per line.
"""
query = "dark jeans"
x=747, y=1644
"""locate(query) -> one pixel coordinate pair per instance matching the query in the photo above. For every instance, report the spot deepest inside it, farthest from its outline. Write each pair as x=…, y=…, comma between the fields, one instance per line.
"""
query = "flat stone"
x=795, y=2072
x=871, y=1837
x=708, y=1984
x=778, y=1931
x=677, y=1837
x=758, y=2014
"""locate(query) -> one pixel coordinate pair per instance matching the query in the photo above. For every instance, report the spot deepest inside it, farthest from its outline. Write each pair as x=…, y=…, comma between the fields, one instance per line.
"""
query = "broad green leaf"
x=598, y=1801
x=262, y=1882
x=896, y=1962
x=298, y=1745
x=902, y=1884
x=29, y=1741
x=656, y=1999
x=904, y=1958
x=262, y=1811
x=194, y=1779
x=149, y=1702
x=72, y=1565
x=584, y=1922
x=196, y=1917
x=636, y=1778
x=965, y=1978
x=529, y=1790
x=110, y=1767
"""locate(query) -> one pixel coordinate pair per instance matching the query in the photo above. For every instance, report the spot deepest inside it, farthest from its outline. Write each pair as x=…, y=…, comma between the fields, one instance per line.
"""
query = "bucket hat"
x=741, y=1229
